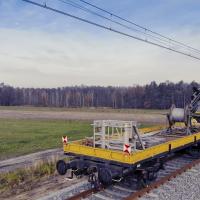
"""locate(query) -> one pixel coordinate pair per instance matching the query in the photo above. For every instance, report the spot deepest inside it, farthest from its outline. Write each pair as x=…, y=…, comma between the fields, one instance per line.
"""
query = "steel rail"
x=84, y=194
x=139, y=193
x=156, y=184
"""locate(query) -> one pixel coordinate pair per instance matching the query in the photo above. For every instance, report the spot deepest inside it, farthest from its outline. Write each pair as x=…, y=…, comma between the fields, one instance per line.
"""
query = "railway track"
x=128, y=189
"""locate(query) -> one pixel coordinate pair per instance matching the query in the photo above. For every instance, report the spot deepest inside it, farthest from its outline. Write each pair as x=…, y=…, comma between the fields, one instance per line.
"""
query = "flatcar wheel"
x=61, y=167
x=105, y=176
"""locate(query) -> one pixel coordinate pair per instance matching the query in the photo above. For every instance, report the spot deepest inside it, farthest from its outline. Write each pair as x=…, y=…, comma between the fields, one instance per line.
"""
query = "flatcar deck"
x=158, y=144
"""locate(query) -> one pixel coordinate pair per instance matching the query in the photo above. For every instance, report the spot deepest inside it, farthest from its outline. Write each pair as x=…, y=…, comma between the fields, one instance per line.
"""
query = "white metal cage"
x=115, y=134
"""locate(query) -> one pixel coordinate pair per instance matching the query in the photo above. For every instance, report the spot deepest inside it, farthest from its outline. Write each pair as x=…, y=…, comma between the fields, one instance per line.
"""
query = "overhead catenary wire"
x=146, y=32
x=139, y=26
x=154, y=37
x=167, y=39
x=109, y=28
x=78, y=6
x=92, y=12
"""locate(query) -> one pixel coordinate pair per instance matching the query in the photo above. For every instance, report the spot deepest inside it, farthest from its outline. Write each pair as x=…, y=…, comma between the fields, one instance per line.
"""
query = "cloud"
x=40, y=59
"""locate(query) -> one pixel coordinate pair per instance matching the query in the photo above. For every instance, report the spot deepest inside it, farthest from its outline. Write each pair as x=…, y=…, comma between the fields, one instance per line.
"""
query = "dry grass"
x=84, y=109
x=24, y=179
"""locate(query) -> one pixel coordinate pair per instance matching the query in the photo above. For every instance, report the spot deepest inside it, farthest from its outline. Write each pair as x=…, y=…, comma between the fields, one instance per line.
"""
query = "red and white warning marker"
x=64, y=139
x=127, y=148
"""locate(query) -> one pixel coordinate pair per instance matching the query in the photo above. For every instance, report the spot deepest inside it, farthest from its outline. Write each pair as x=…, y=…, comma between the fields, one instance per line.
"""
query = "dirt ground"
x=84, y=115
x=40, y=189
x=43, y=186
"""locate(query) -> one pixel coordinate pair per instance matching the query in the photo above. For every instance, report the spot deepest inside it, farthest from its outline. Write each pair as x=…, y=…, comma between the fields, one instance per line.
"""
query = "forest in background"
x=149, y=96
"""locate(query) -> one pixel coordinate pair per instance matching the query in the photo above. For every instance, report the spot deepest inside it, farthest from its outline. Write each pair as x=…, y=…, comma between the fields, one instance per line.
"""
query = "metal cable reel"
x=186, y=114
x=179, y=115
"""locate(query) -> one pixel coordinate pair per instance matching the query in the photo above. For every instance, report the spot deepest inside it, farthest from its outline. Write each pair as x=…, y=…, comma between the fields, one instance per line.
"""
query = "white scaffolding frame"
x=114, y=134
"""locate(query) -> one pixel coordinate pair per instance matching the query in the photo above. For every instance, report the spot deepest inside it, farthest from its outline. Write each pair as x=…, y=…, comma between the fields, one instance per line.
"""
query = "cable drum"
x=177, y=115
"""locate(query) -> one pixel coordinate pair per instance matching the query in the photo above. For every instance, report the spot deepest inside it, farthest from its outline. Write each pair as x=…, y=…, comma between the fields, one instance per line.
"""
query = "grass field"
x=26, y=129
x=18, y=137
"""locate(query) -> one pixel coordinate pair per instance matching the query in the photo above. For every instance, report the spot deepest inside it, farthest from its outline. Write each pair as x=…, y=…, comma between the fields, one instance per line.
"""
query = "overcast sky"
x=39, y=48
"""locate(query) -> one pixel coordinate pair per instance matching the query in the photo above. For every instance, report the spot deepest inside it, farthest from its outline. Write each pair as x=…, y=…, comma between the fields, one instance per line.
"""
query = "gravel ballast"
x=184, y=187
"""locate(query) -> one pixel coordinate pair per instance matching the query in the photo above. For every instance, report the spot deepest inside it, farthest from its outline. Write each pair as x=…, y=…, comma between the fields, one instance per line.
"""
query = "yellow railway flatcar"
x=118, y=149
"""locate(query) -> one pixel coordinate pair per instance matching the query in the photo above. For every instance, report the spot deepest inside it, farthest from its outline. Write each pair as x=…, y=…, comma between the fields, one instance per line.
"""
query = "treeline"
x=151, y=96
